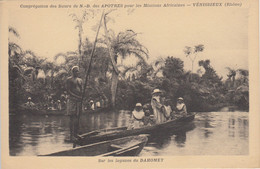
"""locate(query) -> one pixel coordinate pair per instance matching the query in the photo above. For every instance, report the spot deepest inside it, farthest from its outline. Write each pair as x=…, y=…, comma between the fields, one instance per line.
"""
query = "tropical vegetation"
x=123, y=86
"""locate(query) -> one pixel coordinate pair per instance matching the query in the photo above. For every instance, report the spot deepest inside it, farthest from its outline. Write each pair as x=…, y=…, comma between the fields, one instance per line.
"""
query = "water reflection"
x=180, y=139
x=211, y=133
x=164, y=138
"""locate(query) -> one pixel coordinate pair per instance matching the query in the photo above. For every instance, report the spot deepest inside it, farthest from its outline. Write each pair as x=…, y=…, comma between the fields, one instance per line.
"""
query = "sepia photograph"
x=132, y=79
x=96, y=80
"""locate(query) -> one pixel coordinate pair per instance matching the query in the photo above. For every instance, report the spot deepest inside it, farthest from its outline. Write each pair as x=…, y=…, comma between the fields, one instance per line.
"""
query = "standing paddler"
x=157, y=105
x=74, y=89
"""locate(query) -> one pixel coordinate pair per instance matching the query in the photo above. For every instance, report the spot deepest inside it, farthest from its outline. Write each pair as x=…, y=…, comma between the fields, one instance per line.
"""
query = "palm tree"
x=101, y=61
x=141, y=70
x=79, y=25
x=244, y=73
x=14, y=50
x=70, y=59
x=173, y=67
x=33, y=64
x=170, y=67
x=157, y=66
x=209, y=76
x=232, y=75
x=58, y=71
x=123, y=44
x=192, y=53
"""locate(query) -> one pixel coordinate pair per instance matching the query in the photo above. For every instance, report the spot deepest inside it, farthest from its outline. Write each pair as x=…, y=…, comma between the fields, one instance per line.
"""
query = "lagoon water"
x=211, y=133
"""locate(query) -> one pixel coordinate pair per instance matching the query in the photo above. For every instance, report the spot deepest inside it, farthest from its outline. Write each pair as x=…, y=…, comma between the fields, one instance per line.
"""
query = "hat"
x=157, y=91
x=74, y=67
x=91, y=101
x=29, y=98
x=146, y=106
x=180, y=98
x=138, y=105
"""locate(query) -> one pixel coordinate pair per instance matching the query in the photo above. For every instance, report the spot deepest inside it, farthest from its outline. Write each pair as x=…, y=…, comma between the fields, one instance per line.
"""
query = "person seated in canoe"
x=181, y=109
x=63, y=99
x=49, y=100
x=51, y=106
x=98, y=105
x=55, y=105
x=157, y=106
x=168, y=109
x=92, y=105
x=59, y=105
x=137, y=117
x=29, y=103
x=149, y=117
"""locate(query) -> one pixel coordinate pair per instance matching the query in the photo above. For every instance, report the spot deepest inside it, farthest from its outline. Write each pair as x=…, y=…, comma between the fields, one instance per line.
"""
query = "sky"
x=164, y=31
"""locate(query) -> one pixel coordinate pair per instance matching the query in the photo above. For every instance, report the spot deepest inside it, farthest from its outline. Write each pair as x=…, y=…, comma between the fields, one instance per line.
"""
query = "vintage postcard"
x=145, y=84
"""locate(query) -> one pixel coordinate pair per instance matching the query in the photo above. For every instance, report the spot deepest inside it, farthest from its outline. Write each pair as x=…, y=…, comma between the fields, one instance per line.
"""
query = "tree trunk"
x=114, y=81
x=192, y=64
x=80, y=45
x=234, y=81
x=115, y=73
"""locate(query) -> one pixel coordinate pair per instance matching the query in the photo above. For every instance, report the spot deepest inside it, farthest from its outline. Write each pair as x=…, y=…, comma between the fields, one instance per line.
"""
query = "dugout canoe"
x=34, y=111
x=114, y=133
x=127, y=146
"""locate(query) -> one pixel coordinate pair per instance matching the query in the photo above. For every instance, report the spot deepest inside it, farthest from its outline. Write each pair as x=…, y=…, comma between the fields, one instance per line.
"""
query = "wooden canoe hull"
x=114, y=133
x=127, y=146
x=50, y=112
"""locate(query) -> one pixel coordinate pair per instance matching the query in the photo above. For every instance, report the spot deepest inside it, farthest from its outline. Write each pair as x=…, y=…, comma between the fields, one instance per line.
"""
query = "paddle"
x=86, y=77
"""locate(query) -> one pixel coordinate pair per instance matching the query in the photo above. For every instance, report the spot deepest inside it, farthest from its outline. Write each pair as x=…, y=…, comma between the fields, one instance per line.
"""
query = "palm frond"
x=60, y=55
x=74, y=16
x=29, y=52
x=128, y=69
x=13, y=30
x=14, y=47
x=187, y=50
x=243, y=72
x=71, y=53
x=157, y=71
x=142, y=63
x=160, y=61
x=122, y=66
x=199, y=48
x=230, y=69
x=61, y=73
x=28, y=70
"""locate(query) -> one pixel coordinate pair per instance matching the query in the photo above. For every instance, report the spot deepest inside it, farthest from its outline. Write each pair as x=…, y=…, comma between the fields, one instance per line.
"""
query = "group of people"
x=29, y=103
x=158, y=111
x=58, y=104
x=96, y=104
x=49, y=104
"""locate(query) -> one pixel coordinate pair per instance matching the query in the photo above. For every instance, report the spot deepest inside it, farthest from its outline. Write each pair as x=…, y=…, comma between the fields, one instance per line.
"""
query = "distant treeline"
x=35, y=77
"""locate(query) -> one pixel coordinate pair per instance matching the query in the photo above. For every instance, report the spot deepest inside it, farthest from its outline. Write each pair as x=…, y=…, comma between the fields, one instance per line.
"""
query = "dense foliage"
x=32, y=76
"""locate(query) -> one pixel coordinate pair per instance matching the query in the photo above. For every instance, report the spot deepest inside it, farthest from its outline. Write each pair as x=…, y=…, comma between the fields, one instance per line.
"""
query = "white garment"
x=98, y=104
x=179, y=106
x=136, y=120
x=156, y=105
x=93, y=106
x=137, y=124
x=168, y=111
x=41, y=74
x=138, y=114
x=181, y=109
